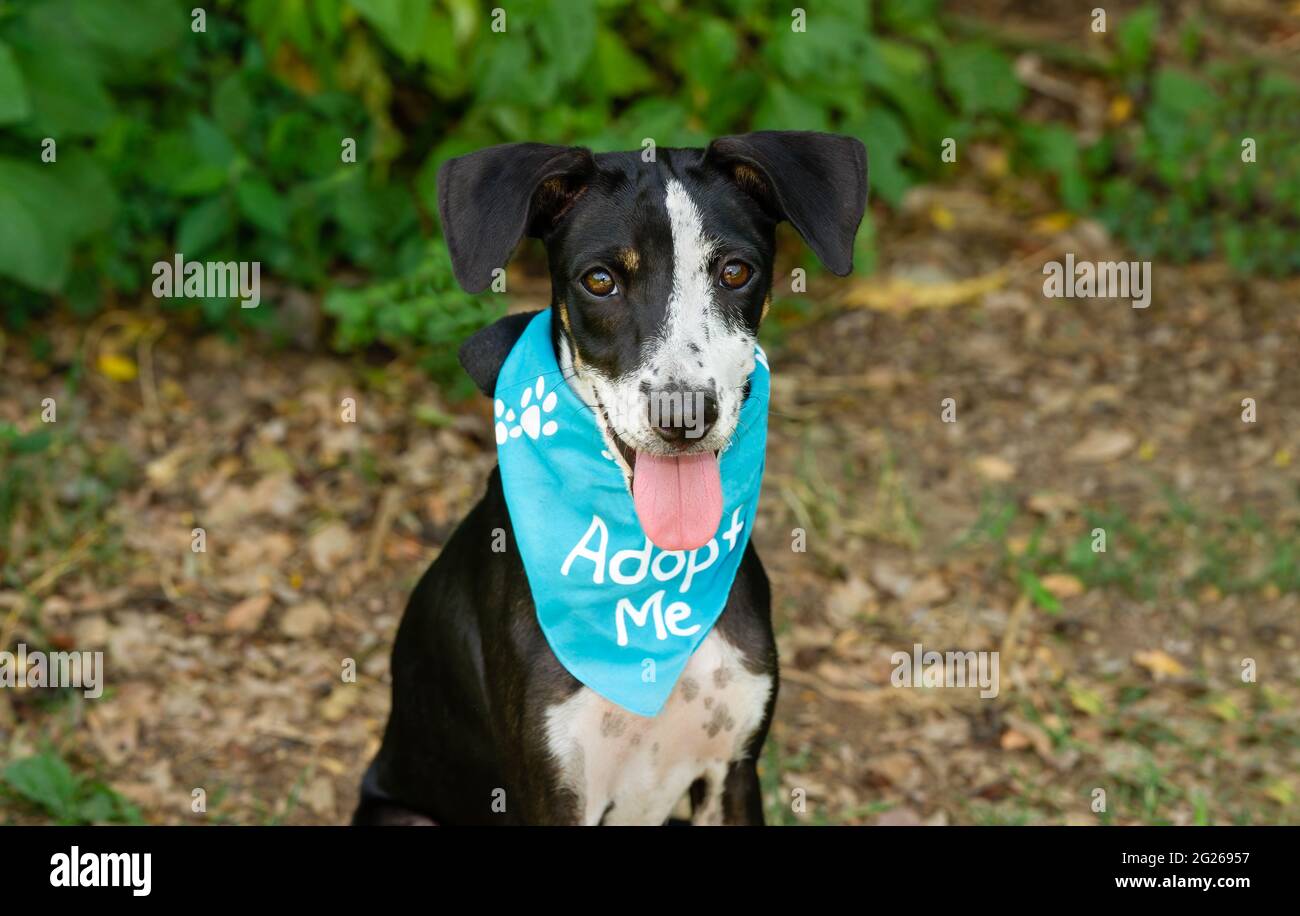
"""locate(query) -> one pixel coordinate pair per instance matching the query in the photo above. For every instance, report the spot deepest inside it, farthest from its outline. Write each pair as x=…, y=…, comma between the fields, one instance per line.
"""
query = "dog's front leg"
x=738, y=802
x=742, y=797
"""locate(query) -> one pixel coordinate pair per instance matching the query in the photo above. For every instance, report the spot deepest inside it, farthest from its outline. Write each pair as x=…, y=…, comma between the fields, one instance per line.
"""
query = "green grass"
x=1141, y=558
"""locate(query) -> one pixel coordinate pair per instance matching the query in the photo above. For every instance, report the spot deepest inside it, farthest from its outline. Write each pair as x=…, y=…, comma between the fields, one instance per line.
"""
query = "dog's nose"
x=682, y=416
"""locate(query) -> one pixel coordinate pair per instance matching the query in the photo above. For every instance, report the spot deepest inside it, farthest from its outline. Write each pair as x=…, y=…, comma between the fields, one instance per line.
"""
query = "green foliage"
x=425, y=305
x=1174, y=185
x=46, y=781
x=228, y=143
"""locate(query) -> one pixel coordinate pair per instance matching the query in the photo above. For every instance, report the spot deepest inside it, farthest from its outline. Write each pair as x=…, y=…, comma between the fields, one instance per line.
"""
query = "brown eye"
x=599, y=282
x=735, y=274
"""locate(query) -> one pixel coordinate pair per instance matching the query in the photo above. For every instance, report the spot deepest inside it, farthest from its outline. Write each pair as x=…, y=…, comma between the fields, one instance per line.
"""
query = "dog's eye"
x=735, y=274
x=599, y=282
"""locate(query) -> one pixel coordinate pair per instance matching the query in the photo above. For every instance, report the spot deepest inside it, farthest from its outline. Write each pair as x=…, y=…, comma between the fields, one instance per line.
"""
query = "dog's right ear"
x=490, y=199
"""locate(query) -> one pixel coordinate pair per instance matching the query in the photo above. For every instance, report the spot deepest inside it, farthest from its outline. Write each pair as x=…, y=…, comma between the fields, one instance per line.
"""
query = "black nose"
x=682, y=416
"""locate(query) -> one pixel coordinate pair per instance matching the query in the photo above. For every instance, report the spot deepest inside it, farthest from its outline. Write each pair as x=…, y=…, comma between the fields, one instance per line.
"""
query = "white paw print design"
x=535, y=403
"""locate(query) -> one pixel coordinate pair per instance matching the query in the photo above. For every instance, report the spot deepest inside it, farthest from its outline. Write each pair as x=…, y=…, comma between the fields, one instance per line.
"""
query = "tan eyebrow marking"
x=629, y=259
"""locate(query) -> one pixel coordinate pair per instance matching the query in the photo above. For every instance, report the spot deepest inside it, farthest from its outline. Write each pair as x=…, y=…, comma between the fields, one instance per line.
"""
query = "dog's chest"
x=629, y=769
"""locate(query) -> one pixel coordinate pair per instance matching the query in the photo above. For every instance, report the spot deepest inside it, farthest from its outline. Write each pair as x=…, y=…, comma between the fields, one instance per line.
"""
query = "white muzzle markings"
x=696, y=350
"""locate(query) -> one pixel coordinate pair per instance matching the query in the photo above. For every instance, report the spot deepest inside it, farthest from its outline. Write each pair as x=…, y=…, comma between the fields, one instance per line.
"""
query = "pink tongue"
x=678, y=500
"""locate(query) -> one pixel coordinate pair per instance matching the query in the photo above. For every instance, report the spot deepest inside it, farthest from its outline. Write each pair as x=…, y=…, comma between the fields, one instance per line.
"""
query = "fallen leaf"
x=898, y=768
x=1086, y=700
x=1159, y=663
x=1062, y=585
x=1281, y=792
x=928, y=591
x=848, y=599
x=305, y=619
x=1012, y=740
x=318, y=795
x=991, y=467
x=1224, y=708
x=1121, y=107
x=329, y=545
x=901, y=295
x=341, y=699
x=1102, y=445
x=899, y=817
x=246, y=616
x=117, y=367
x=1053, y=223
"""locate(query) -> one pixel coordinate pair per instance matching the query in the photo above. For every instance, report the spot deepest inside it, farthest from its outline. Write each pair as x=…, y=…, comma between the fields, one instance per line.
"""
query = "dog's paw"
x=535, y=403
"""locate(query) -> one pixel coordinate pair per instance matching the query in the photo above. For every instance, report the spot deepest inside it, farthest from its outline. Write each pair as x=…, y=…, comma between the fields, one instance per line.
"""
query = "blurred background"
x=131, y=130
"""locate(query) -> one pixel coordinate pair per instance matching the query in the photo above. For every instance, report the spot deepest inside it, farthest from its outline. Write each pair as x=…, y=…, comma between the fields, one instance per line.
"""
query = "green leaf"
x=14, y=105
x=886, y=141
x=784, y=109
x=203, y=226
x=401, y=23
x=1032, y=586
x=1054, y=148
x=620, y=72
x=1135, y=37
x=566, y=33
x=211, y=143
x=981, y=78
x=263, y=206
x=707, y=55
x=138, y=28
x=39, y=221
x=45, y=780
x=232, y=105
x=67, y=96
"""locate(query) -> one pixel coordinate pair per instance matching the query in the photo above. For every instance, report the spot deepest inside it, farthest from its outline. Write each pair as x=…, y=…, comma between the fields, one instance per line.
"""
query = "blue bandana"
x=622, y=615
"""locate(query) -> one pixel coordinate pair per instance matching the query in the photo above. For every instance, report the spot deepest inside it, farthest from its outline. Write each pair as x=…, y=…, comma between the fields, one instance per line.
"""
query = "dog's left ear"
x=816, y=181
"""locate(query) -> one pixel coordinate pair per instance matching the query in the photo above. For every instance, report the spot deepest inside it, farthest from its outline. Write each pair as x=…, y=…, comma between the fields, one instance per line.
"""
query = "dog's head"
x=661, y=272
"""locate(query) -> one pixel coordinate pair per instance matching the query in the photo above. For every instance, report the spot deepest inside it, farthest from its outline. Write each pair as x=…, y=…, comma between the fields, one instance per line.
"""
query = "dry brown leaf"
x=896, y=294
x=1159, y=663
x=1063, y=585
x=1102, y=445
x=848, y=599
x=1012, y=740
x=991, y=467
x=306, y=619
x=246, y=616
x=329, y=545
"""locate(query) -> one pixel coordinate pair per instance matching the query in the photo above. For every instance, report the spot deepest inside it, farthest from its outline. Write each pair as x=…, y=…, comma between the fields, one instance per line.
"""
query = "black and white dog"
x=660, y=273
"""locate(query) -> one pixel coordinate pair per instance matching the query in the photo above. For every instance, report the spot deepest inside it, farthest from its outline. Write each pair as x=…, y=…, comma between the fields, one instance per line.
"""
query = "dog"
x=661, y=272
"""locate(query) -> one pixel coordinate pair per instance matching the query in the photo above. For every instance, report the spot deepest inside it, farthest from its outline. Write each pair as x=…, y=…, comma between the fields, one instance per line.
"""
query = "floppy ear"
x=818, y=182
x=489, y=199
x=485, y=351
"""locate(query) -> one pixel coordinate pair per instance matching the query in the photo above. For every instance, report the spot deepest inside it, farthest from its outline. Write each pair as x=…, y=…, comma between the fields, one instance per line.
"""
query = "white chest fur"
x=629, y=769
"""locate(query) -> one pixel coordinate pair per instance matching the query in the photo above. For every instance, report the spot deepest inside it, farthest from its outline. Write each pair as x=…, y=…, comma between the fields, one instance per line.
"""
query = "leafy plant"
x=46, y=781
x=236, y=142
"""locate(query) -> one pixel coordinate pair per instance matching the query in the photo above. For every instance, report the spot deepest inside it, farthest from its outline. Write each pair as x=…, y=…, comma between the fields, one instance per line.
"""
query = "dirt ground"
x=1120, y=671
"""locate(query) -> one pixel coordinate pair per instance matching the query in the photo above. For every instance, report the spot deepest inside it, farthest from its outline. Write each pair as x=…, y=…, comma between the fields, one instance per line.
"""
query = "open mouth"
x=678, y=498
